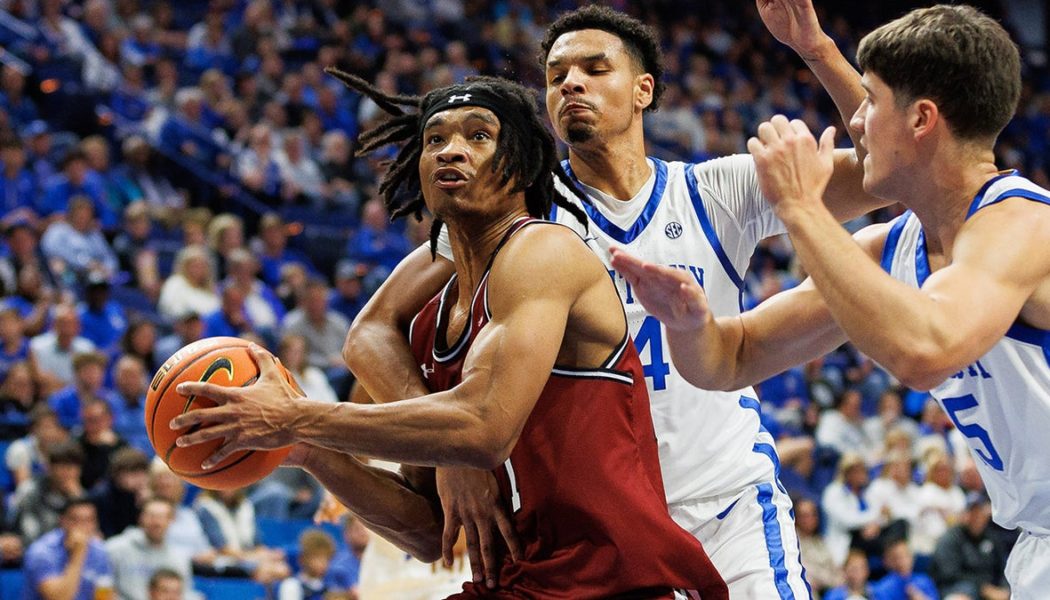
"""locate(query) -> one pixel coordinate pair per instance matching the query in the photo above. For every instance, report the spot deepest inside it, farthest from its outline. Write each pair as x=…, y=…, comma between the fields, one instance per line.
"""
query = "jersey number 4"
x=973, y=431
x=651, y=335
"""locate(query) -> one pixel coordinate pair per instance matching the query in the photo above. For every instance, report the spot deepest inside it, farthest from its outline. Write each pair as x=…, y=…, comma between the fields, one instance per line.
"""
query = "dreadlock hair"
x=525, y=149
x=639, y=39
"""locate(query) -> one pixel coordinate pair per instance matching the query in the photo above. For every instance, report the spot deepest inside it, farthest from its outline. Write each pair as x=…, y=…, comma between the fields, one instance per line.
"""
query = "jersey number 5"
x=651, y=335
x=973, y=431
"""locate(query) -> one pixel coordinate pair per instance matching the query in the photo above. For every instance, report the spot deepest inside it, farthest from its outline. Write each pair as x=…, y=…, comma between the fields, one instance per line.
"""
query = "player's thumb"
x=827, y=142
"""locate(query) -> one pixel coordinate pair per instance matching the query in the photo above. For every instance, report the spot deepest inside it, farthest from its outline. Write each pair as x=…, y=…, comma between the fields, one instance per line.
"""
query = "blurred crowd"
x=178, y=170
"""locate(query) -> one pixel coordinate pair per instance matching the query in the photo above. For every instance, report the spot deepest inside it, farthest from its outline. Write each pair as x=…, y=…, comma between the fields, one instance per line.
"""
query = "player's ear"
x=924, y=116
x=644, y=85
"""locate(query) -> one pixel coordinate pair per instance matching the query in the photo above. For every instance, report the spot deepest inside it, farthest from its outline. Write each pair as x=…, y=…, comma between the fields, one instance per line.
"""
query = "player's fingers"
x=827, y=142
x=767, y=133
x=782, y=126
x=220, y=394
x=488, y=554
x=477, y=571
x=449, y=535
x=668, y=275
x=506, y=528
x=266, y=362
x=220, y=455
x=756, y=148
x=197, y=417
x=800, y=128
x=205, y=434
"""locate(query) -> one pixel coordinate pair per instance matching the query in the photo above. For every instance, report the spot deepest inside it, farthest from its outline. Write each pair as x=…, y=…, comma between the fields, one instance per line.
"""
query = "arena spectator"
x=261, y=304
x=346, y=564
x=129, y=407
x=847, y=508
x=53, y=352
x=38, y=503
x=14, y=345
x=348, y=297
x=857, y=585
x=842, y=428
x=902, y=580
x=117, y=496
x=185, y=533
x=17, y=398
x=292, y=352
x=102, y=319
x=26, y=457
x=300, y=175
x=34, y=298
x=139, y=340
x=313, y=580
x=89, y=372
x=375, y=242
x=271, y=247
x=98, y=440
x=894, y=494
x=822, y=572
x=324, y=329
x=75, y=181
x=139, y=174
x=185, y=133
x=225, y=234
x=75, y=247
x=191, y=286
x=140, y=551
x=940, y=502
x=134, y=247
x=230, y=319
x=968, y=563
x=166, y=584
x=18, y=188
x=187, y=328
x=228, y=520
x=890, y=416
x=69, y=561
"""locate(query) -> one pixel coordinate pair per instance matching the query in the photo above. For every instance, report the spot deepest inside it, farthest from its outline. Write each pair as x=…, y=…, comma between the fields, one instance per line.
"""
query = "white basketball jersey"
x=705, y=219
x=1001, y=403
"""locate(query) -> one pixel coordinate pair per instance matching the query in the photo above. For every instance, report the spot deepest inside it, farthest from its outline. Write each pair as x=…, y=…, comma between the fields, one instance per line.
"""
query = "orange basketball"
x=223, y=361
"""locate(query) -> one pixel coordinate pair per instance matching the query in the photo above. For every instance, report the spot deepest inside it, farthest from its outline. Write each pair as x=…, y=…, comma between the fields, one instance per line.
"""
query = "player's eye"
x=433, y=139
x=557, y=79
x=481, y=136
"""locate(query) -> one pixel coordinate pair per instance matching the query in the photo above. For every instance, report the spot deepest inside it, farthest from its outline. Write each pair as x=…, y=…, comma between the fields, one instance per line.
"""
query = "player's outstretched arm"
x=794, y=23
x=475, y=424
x=921, y=335
x=385, y=501
x=376, y=349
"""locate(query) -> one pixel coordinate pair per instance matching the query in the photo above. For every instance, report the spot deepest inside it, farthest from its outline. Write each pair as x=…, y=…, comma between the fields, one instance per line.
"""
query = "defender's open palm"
x=793, y=169
x=671, y=295
x=793, y=22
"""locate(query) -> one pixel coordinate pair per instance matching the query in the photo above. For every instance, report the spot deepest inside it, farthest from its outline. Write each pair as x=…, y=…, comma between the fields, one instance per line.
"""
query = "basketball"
x=222, y=361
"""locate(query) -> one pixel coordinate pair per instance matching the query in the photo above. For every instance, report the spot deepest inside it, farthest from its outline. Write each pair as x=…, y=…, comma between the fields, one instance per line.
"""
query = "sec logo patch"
x=673, y=230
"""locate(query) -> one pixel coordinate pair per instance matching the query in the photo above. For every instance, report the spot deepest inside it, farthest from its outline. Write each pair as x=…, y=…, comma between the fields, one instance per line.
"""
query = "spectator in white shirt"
x=941, y=502
x=191, y=287
x=841, y=428
x=847, y=507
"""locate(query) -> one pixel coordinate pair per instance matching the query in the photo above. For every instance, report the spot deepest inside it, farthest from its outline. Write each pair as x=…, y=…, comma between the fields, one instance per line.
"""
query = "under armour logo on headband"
x=463, y=98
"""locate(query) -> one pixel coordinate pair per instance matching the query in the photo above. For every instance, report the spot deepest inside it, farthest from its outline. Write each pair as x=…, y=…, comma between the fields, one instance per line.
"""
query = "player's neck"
x=617, y=169
x=473, y=242
x=942, y=199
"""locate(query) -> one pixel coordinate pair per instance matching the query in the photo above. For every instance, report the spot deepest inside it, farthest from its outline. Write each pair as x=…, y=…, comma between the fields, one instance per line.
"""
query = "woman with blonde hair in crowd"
x=191, y=286
x=894, y=494
x=941, y=502
x=225, y=234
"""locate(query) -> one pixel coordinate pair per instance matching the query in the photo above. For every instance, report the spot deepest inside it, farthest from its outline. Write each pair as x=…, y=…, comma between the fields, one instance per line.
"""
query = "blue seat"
x=280, y=533
x=218, y=588
x=11, y=583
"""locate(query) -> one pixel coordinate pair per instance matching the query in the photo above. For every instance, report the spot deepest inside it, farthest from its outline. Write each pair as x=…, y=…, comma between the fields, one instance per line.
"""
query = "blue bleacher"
x=11, y=583
x=216, y=588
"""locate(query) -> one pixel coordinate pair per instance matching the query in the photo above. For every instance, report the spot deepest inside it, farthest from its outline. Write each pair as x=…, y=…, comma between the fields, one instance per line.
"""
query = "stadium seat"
x=219, y=588
x=11, y=583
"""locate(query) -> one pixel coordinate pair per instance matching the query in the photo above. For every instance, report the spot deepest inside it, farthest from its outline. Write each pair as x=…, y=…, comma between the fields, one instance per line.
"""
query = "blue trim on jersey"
x=554, y=212
x=709, y=230
x=1014, y=193
x=976, y=202
x=922, y=261
x=894, y=237
x=610, y=229
x=774, y=541
x=1031, y=335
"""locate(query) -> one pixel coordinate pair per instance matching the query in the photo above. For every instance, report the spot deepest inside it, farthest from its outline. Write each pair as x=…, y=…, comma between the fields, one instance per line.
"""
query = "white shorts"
x=751, y=540
x=1028, y=568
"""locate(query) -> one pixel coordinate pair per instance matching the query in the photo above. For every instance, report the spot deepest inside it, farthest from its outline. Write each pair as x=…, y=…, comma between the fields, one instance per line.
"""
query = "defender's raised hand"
x=794, y=23
x=671, y=295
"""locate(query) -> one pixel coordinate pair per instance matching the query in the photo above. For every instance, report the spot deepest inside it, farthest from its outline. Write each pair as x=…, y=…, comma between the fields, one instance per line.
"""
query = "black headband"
x=458, y=97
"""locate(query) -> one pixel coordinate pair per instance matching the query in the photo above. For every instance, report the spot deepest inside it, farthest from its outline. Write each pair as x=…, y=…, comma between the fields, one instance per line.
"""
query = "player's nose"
x=573, y=84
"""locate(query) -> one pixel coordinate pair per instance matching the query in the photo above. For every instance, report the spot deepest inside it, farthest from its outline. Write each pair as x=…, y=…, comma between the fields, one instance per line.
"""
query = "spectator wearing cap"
x=102, y=319
x=375, y=242
x=348, y=296
x=37, y=137
x=18, y=188
x=69, y=561
x=74, y=181
x=118, y=494
x=261, y=303
x=27, y=457
x=191, y=287
x=37, y=503
x=271, y=247
x=186, y=328
x=129, y=411
x=968, y=563
x=89, y=372
x=53, y=352
x=75, y=247
x=98, y=440
x=13, y=99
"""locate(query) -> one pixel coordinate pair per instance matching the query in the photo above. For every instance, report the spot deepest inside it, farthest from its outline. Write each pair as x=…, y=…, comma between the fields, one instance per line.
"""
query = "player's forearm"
x=444, y=429
x=896, y=325
x=378, y=354
x=840, y=80
x=383, y=500
x=706, y=357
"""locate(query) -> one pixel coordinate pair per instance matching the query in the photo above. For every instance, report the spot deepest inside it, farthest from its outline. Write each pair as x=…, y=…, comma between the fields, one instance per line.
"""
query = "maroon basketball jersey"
x=583, y=481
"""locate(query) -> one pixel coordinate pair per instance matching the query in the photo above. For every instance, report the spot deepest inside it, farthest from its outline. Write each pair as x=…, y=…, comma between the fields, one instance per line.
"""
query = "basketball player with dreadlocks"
x=541, y=385
x=720, y=468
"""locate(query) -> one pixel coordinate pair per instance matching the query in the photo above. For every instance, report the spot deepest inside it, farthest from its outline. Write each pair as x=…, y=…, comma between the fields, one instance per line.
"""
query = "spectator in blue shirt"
x=102, y=320
x=75, y=245
x=348, y=296
x=89, y=370
x=13, y=101
x=14, y=345
x=346, y=564
x=857, y=585
x=70, y=557
x=18, y=189
x=185, y=132
x=375, y=242
x=231, y=319
x=76, y=180
x=272, y=249
x=37, y=137
x=902, y=581
x=129, y=408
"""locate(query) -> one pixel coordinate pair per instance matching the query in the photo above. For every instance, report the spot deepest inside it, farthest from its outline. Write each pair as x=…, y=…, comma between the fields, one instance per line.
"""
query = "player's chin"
x=580, y=132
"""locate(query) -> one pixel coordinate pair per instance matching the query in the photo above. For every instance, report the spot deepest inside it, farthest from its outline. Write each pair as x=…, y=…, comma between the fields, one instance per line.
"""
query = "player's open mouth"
x=449, y=178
